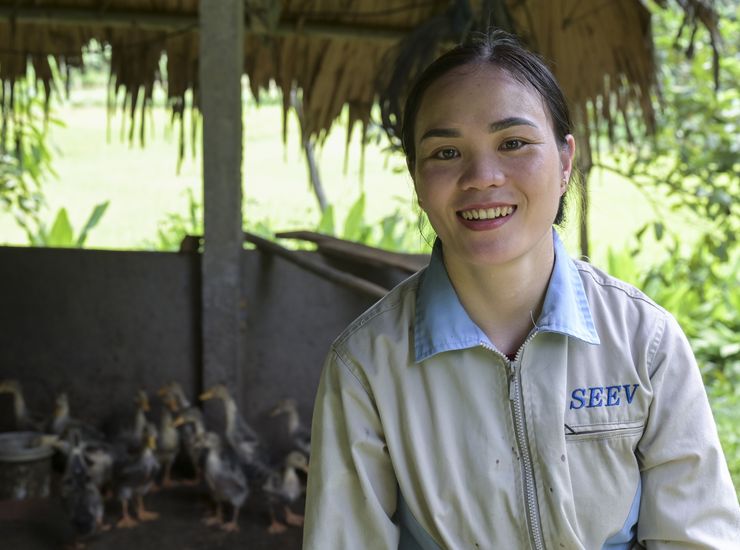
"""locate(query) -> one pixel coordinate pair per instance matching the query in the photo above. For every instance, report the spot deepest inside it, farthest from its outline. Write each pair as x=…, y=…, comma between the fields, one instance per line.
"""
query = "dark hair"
x=502, y=50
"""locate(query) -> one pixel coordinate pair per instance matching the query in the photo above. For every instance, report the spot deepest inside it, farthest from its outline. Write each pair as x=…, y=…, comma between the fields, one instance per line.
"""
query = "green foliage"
x=399, y=231
x=695, y=154
x=175, y=226
x=355, y=228
x=25, y=157
x=702, y=293
x=61, y=233
x=725, y=401
x=326, y=224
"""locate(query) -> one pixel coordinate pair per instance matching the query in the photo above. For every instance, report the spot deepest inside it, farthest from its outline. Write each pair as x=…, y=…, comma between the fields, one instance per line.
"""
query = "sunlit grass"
x=143, y=185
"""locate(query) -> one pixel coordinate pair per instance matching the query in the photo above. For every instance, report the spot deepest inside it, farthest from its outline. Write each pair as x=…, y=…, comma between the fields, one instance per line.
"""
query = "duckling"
x=98, y=456
x=80, y=493
x=285, y=487
x=133, y=475
x=299, y=435
x=195, y=420
x=61, y=422
x=226, y=479
x=167, y=446
x=239, y=434
x=140, y=420
x=24, y=421
x=174, y=398
x=100, y=459
x=127, y=435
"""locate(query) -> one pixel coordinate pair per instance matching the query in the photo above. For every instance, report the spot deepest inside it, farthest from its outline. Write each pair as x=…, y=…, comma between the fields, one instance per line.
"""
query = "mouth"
x=484, y=214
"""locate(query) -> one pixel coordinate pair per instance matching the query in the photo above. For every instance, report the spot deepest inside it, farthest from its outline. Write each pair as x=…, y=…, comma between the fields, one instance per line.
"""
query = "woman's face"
x=488, y=173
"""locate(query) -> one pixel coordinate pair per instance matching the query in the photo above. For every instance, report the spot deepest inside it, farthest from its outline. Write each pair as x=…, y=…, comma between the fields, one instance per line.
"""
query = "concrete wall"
x=100, y=324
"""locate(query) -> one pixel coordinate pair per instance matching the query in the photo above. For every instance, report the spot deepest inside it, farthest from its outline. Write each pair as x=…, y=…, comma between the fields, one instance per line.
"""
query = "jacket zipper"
x=520, y=430
x=515, y=395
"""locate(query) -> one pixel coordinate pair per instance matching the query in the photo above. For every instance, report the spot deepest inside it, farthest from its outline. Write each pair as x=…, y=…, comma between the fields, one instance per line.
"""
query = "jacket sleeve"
x=351, y=492
x=688, y=499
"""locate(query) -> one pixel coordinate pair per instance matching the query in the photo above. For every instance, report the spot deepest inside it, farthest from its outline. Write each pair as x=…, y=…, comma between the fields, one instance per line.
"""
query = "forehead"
x=480, y=92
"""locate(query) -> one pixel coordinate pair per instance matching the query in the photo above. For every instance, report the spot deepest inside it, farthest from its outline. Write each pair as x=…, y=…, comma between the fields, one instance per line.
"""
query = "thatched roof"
x=342, y=52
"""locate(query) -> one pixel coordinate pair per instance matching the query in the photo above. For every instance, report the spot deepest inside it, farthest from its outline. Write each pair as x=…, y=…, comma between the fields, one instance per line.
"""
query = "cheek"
x=435, y=177
x=424, y=184
x=431, y=193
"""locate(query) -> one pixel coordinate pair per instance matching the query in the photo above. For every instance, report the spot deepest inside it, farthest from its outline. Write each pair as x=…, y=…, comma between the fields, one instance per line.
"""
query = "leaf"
x=622, y=266
x=354, y=222
x=326, y=224
x=61, y=233
x=92, y=221
x=658, y=227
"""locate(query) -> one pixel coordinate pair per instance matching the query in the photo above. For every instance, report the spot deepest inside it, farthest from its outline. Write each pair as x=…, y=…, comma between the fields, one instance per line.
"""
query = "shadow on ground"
x=42, y=524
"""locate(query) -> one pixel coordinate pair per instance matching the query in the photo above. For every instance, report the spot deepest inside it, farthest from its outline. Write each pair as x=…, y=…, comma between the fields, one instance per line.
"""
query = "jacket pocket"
x=611, y=430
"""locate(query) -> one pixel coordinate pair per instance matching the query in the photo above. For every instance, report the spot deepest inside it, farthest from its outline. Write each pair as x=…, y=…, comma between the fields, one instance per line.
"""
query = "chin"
x=490, y=255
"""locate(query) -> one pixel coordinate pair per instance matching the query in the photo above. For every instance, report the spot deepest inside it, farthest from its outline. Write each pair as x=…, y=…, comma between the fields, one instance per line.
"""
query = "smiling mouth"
x=486, y=213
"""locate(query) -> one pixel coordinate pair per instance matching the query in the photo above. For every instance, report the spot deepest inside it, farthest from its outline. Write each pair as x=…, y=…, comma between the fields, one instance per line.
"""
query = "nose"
x=482, y=170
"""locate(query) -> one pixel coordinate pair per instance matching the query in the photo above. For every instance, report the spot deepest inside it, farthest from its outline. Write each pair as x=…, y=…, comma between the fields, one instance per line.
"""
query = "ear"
x=567, y=153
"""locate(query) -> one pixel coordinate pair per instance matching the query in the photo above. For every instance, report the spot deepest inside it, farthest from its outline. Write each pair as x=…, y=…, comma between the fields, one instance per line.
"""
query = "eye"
x=512, y=144
x=447, y=153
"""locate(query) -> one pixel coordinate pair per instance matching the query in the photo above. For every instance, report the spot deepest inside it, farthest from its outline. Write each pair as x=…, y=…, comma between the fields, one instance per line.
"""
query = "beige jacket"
x=597, y=435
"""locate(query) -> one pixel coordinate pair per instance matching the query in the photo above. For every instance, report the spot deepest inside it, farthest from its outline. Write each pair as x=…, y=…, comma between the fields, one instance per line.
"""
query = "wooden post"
x=221, y=66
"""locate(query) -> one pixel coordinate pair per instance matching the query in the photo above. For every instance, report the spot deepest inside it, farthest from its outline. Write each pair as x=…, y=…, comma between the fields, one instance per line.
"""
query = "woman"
x=508, y=396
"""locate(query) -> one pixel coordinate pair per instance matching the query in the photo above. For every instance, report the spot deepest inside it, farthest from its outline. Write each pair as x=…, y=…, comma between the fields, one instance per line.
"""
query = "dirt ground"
x=41, y=524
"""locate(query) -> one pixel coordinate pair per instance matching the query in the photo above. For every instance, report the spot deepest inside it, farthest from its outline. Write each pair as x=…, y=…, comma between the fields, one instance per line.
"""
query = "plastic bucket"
x=25, y=466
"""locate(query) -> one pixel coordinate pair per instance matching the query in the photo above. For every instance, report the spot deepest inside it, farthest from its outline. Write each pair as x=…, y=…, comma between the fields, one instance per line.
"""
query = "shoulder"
x=597, y=282
x=395, y=307
x=625, y=315
x=385, y=327
x=387, y=314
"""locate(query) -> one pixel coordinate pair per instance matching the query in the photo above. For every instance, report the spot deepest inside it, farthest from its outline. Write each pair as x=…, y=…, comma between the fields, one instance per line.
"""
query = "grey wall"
x=100, y=324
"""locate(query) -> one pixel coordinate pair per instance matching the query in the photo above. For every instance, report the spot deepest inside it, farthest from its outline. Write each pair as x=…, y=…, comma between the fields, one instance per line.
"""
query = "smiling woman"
x=508, y=396
x=486, y=143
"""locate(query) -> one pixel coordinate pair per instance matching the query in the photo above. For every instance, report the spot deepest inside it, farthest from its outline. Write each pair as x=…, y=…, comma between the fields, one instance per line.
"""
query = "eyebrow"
x=494, y=127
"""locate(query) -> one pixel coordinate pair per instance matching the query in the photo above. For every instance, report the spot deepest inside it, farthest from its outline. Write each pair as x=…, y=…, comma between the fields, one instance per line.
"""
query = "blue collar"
x=442, y=324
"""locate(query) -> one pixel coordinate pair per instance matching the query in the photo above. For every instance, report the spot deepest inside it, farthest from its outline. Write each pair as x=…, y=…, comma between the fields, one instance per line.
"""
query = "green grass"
x=142, y=184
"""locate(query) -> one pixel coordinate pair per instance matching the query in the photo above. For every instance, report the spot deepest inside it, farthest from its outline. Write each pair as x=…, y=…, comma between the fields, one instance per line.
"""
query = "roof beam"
x=163, y=21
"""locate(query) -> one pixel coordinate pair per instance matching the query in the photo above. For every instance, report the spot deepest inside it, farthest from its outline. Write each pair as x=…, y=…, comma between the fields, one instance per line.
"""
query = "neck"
x=230, y=414
x=505, y=300
x=182, y=401
x=294, y=421
x=140, y=422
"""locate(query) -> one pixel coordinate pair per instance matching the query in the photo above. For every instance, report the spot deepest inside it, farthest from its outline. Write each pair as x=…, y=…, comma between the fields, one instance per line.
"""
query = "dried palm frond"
x=353, y=53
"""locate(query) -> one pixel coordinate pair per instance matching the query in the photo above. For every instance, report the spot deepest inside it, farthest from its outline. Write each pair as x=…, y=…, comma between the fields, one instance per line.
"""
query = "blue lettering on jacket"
x=612, y=396
x=595, y=397
x=578, y=399
x=602, y=396
x=627, y=393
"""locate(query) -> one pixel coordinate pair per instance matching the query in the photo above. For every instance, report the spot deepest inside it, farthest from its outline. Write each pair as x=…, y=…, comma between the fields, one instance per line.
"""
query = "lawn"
x=95, y=163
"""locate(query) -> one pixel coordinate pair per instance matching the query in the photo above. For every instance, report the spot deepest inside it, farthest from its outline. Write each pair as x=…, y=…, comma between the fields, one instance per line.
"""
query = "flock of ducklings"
x=137, y=459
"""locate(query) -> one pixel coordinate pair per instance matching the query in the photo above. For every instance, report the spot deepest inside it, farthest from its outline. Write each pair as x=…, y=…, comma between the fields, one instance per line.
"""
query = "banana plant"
x=61, y=234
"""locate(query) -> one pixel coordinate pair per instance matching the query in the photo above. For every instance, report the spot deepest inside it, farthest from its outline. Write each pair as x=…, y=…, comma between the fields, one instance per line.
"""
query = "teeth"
x=487, y=214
